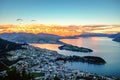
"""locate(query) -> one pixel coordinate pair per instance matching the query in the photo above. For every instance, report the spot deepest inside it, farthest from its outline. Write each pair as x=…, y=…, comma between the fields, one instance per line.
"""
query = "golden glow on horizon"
x=69, y=30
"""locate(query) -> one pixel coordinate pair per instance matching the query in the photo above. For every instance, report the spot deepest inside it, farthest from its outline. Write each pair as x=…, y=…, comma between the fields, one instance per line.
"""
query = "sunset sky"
x=75, y=12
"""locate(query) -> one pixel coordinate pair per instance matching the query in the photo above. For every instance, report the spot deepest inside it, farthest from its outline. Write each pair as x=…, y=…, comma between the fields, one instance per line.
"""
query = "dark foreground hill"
x=6, y=46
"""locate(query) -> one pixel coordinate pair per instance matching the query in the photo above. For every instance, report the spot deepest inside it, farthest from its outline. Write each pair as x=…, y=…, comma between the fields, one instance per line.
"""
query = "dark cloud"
x=19, y=20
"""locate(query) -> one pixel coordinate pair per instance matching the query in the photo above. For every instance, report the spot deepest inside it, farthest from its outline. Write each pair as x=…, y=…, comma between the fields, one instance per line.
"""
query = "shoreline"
x=38, y=60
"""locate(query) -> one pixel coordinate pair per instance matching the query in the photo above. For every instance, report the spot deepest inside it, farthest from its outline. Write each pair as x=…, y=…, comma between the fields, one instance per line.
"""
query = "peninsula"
x=88, y=59
x=74, y=48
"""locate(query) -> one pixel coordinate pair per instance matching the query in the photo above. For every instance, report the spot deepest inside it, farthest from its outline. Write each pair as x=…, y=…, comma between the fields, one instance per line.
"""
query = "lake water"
x=101, y=46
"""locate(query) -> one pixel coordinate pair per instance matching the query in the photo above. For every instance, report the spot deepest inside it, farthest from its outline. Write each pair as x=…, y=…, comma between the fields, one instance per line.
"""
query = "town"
x=37, y=61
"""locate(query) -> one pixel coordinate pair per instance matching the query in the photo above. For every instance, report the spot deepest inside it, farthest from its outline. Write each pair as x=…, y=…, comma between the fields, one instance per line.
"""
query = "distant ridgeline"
x=6, y=46
x=117, y=37
x=31, y=38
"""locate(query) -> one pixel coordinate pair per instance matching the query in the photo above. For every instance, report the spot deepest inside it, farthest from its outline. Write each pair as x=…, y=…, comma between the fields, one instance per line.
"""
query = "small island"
x=74, y=48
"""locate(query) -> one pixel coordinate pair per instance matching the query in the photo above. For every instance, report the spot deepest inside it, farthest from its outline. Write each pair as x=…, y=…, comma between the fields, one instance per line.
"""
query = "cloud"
x=100, y=28
x=33, y=20
x=20, y=20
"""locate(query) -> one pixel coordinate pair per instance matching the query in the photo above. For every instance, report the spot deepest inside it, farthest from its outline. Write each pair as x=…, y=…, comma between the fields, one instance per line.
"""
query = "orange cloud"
x=70, y=30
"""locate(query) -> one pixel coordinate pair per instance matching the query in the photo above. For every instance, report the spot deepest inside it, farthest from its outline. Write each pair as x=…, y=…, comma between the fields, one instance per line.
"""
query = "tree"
x=56, y=78
x=14, y=74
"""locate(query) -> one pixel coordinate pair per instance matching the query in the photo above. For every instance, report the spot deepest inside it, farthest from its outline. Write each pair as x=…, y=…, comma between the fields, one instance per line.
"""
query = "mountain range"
x=50, y=38
x=31, y=38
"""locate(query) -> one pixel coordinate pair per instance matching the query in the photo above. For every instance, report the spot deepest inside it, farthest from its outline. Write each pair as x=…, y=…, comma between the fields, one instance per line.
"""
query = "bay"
x=102, y=46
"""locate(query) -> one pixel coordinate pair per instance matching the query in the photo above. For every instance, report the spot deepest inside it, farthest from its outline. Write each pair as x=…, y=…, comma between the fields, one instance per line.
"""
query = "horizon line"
x=59, y=24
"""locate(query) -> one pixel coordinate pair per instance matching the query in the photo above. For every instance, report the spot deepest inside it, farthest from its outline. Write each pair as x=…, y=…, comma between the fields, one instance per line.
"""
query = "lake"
x=102, y=46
